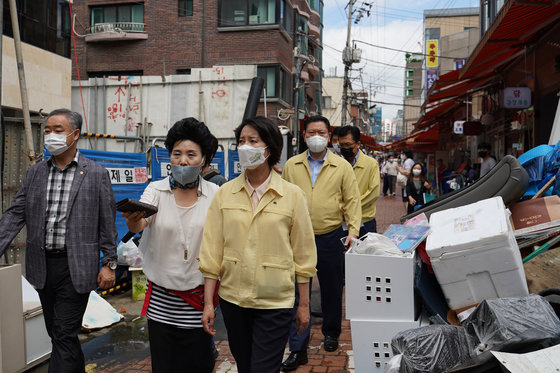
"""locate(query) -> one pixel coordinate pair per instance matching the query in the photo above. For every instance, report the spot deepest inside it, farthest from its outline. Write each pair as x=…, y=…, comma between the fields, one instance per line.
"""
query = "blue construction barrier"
x=234, y=166
x=160, y=163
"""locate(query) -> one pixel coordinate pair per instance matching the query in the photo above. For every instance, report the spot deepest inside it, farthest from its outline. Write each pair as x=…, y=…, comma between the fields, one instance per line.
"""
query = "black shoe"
x=293, y=361
x=330, y=344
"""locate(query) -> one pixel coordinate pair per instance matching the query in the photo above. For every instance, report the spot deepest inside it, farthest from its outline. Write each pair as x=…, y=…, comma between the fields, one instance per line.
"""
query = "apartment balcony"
x=116, y=31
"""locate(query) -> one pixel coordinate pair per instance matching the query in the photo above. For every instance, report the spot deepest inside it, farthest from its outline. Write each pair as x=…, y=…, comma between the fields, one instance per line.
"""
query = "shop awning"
x=460, y=89
x=516, y=24
x=421, y=141
x=434, y=112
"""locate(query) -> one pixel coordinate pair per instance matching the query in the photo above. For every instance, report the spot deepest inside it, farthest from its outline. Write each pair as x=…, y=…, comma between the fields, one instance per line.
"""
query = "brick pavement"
x=389, y=210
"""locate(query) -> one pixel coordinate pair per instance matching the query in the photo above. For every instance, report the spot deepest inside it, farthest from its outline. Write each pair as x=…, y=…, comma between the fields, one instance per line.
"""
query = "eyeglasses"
x=346, y=144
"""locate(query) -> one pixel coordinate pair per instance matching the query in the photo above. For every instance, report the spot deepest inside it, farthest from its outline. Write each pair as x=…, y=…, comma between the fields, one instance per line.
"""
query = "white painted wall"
x=216, y=96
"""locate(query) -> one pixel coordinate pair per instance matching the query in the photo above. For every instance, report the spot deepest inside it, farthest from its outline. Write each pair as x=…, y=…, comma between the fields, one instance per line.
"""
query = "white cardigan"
x=164, y=241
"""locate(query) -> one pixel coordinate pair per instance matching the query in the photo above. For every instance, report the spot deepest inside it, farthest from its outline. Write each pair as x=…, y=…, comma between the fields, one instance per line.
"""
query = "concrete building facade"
x=158, y=39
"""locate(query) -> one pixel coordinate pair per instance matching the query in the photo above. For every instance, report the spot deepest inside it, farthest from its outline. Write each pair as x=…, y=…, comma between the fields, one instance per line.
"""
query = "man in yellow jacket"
x=366, y=170
x=332, y=193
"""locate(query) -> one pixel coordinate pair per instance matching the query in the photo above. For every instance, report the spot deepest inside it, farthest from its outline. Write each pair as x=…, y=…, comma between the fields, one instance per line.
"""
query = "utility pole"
x=347, y=59
x=299, y=67
x=22, y=85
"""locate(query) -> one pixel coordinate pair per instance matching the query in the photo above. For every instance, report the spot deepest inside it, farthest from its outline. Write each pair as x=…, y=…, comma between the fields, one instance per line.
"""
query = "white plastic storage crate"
x=474, y=253
x=371, y=342
x=379, y=287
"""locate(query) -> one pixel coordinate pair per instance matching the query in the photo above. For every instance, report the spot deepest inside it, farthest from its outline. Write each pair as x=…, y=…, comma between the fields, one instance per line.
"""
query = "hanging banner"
x=431, y=77
x=517, y=97
x=432, y=53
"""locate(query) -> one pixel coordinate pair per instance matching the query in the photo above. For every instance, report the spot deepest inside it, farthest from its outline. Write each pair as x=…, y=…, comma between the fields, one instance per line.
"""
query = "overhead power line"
x=400, y=50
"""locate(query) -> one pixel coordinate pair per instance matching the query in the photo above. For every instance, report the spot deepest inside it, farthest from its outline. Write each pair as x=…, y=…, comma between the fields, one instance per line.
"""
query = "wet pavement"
x=124, y=347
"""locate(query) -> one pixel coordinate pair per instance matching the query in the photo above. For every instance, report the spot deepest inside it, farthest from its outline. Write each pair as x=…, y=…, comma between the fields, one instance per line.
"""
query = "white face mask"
x=416, y=172
x=403, y=157
x=56, y=142
x=336, y=148
x=316, y=143
x=250, y=157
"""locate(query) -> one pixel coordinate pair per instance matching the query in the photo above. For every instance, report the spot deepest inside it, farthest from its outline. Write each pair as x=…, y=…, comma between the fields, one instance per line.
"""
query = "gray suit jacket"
x=90, y=228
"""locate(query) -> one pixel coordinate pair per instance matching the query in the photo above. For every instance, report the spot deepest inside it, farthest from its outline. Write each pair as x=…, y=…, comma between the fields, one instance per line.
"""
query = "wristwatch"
x=112, y=265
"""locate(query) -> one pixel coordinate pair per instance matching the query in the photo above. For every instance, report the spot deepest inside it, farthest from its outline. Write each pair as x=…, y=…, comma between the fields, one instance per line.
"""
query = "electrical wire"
x=77, y=66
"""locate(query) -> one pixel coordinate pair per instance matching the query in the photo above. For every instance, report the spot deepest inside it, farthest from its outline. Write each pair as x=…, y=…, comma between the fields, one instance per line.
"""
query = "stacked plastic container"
x=474, y=254
x=379, y=304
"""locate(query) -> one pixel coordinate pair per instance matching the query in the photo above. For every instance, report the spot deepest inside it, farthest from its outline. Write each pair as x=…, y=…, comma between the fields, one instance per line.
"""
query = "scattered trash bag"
x=129, y=254
x=496, y=322
x=377, y=244
x=433, y=348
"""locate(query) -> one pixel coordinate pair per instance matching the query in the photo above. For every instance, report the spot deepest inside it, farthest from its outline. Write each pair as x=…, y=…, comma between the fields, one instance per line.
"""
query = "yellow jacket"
x=367, y=173
x=258, y=256
x=335, y=192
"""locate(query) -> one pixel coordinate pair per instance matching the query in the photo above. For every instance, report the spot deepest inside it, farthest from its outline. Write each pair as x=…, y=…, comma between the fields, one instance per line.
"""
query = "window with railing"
x=185, y=8
x=122, y=17
x=276, y=82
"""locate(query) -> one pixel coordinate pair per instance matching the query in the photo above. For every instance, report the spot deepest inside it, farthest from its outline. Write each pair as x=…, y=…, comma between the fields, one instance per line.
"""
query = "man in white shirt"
x=488, y=162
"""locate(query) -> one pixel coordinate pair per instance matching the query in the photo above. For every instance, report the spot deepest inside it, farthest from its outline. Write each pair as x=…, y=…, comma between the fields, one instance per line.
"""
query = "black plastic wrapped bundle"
x=496, y=322
x=434, y=348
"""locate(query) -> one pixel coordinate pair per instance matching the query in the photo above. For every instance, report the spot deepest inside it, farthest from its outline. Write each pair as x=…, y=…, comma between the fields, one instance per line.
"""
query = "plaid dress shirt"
x=58, y=193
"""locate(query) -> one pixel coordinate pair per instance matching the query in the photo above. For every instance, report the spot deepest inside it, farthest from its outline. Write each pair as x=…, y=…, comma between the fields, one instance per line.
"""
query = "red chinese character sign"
x=432, y=53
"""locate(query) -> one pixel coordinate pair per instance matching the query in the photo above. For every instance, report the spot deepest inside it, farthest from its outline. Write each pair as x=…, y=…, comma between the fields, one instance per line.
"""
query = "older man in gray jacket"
x=67, y=204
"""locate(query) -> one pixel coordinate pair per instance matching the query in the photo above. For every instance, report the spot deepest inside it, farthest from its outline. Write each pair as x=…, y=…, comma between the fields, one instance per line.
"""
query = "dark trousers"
x=392, y=181
x=63, y=310
x=369, y=226
x=257, y=337
x=330, y=272
x=177, y=350
x=385, y=184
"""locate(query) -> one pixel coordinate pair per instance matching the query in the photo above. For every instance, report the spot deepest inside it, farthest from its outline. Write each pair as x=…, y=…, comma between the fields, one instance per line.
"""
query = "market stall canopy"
x=435, y=112
x=514, y=27
x=518, y=22
x=424, y=141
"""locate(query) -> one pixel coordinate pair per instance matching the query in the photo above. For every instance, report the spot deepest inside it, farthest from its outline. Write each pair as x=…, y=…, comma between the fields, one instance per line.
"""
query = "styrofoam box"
x=371, y=342
x=474, y=253
x=379, y=287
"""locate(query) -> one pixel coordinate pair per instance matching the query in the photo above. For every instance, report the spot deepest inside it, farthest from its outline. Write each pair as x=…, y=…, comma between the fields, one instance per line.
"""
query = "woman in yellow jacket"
x=258, y=240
